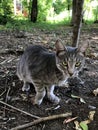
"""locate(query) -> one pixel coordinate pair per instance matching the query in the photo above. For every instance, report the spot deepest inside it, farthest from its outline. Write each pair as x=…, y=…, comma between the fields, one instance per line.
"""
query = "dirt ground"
x=12, y=45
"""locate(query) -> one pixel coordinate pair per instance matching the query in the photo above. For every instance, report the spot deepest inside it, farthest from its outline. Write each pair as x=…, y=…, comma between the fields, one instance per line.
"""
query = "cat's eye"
x=77, y=64
x=64, y=63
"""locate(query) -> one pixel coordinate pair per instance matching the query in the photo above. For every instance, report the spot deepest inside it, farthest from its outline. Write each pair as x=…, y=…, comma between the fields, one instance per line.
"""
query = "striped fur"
x=45, y=69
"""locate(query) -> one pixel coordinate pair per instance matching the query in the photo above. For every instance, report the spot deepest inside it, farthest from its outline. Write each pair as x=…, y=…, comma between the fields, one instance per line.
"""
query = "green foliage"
x=24, y=24
x=59, y=6
x=5, y=11
x=43, y=9
x=95, y=12
x=48, y=10
x=27, y=6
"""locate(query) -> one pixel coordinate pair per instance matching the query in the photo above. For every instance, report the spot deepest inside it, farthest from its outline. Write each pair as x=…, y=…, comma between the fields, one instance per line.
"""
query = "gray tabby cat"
x=46, y=69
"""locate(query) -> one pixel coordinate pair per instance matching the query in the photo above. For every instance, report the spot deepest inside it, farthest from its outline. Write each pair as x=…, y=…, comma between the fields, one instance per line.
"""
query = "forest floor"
x=78, y=99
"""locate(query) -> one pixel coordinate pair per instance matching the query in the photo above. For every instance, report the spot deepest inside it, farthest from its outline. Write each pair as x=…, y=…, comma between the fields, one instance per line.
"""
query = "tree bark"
x=34, y=11
x=73, y=12
x=77, y=22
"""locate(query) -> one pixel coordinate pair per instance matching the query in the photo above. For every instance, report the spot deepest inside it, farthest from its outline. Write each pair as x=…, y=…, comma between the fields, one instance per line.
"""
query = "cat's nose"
x=70, y=73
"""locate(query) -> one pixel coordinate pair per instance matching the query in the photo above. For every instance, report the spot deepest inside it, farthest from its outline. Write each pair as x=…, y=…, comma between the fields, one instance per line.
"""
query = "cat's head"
x=70, y=59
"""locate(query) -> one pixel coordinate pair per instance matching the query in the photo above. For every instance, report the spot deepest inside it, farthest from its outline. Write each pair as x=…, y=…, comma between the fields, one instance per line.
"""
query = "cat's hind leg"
x=51, y=96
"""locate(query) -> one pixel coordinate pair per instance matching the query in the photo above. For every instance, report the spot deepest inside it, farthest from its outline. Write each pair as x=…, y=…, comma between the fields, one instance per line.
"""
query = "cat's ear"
x=59, y=46
x=60, y=49
x=83, y=47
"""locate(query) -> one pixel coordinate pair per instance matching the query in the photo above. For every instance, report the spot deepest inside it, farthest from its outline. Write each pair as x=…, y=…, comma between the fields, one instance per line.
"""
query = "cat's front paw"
x=80, y=81
x=26, y=88
x=37, y=102
x=64, y=85
x=54, y=99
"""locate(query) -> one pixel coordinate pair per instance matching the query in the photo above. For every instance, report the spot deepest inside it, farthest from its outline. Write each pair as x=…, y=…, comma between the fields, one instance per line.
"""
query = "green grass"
x=23, y=24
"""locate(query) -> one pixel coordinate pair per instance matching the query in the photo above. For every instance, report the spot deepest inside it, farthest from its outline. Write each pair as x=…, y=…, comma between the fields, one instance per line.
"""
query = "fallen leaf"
x=95, y=92
x=69, y=120
x=82, y=100
x=94, y=55
x=91, y=107
x=95, y=37
x=73, y=96
x=77, y=125
x=44, y=41
x=91, y=115
x=84, y=126
x=57, y=107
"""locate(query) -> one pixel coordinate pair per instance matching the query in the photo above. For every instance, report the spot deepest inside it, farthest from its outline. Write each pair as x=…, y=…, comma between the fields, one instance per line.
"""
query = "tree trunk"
x=14, y=7
x=34, y=11
x=77, y=22
x=73, y=12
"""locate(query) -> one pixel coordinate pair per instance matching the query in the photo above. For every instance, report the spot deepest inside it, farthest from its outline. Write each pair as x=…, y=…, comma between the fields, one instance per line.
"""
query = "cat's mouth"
x=71, y=74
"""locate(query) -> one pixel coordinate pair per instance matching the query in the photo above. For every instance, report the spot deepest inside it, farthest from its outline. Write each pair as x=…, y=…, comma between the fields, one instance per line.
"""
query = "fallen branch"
x=17, y=109
x=43, y=119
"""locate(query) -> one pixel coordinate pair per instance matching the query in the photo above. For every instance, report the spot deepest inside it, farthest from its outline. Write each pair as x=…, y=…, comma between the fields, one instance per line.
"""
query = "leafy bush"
x=59, y=6
x=5, y=11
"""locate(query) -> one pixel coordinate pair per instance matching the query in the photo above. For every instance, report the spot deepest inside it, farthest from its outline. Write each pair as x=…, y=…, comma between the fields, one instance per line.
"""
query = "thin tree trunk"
x=14, y=7
x=34, y=11
x=73, y=12
x=77, y=22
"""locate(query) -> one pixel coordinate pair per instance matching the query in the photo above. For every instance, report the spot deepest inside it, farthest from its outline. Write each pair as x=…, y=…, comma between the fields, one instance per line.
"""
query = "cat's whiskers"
x=64, y=83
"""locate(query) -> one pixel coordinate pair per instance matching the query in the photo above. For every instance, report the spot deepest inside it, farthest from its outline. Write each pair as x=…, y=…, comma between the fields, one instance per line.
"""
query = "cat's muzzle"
x=71, y=74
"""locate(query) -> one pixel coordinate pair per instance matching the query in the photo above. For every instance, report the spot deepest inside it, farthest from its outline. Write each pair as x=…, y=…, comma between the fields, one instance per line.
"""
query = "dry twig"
x=17, y=109
x=6, y=101
x=2, y=93
x=43, y=119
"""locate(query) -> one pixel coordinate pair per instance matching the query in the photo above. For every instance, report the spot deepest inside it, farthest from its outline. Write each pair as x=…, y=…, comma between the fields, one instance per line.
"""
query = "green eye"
x=78, y=64
x=64, y=63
